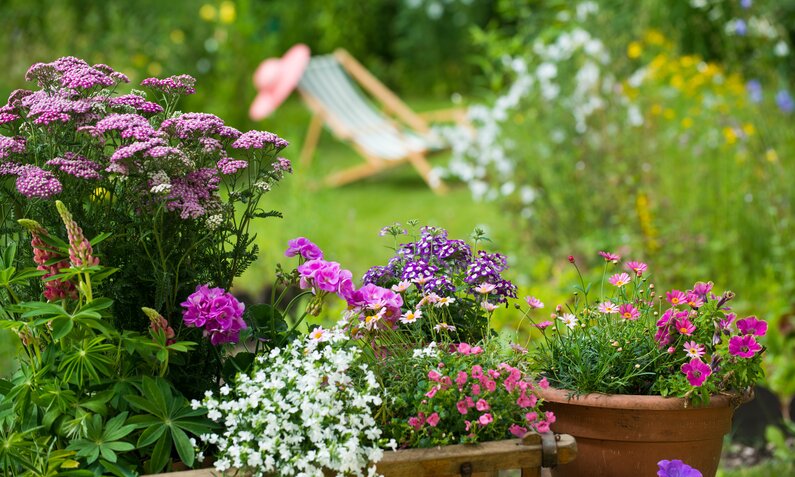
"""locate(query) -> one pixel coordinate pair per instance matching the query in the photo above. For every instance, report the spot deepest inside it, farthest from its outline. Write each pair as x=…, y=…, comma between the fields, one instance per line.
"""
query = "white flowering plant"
x=302, y=409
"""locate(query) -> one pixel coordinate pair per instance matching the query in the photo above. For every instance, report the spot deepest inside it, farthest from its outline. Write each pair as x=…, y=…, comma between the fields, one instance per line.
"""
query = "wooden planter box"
x=486, y=459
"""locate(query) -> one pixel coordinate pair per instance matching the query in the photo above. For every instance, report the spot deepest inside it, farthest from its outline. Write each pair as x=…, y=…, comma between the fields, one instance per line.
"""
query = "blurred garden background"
x=658, y=130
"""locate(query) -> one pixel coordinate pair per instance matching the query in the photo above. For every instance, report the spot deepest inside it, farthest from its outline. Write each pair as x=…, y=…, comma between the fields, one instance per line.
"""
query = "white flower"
x=411, y=316
x=318, y=334
x=569, y=320
x=444, y=327
x=485, y=288
x=444, y=301
x=401, y=287
x=488, y=306
x=781, y=48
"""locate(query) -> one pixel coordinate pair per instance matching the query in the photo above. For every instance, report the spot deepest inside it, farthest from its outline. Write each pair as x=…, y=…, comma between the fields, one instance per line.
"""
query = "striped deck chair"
x=384, y=137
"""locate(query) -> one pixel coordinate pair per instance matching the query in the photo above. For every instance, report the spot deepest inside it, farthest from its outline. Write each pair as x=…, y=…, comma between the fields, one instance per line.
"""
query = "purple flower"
x=283, y=164
x=785, y=102
x=181, y=84
x=419, y=269
x=193, y=194
x=190, y=125
x=10, y=145
x=696, y=371
x=259, y=140
x=374, y=299
x=744, y=346
x=228, y=166
x=379, y=275
x=304, y=247
x=754, y=88
x=740, y=27
x=128, y=125
x=676, y=468
x=217, y=312
x=7, y=117
x=746, y=4
x=752, y=326
x=34, y=182
x=322, y=276
x=75, y=165
x=136, y=102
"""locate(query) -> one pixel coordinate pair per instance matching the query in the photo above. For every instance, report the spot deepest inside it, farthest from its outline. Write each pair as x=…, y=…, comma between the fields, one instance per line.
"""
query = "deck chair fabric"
x=328, y=88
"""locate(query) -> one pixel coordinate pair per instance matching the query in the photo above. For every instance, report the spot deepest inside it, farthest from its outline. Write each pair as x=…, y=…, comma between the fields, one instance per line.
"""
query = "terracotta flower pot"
x=626, y=435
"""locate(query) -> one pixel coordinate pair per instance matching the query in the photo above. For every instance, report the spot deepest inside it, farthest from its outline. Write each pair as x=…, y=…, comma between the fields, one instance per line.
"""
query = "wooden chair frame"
x=393, y=107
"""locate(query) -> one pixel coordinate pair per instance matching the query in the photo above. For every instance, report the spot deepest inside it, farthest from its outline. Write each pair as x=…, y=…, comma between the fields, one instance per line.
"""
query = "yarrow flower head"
x=217, y=312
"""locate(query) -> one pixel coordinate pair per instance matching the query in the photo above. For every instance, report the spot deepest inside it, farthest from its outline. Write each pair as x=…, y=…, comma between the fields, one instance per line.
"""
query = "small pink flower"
x=542, y=426
x=433, y=420
x=417, y=422
x=485, y=419
x=491, y=386
x=694, y=300
x=608, y=307
x=489, y=307
x=702, y=288
x=694, y=350
x=524, y=401
x=430, y=394
x=517, y=430
x=462, y=407
x=476, y=350
x=696, y=372
x=464, y=348
x=544, y=325
x=752, y=326
x=744, y=346
x=475, y=390
x=433, y=375
x=468, y=424
x=477, y=371
x=485, y=288
x=637, y=267
x=550, y=417
x=534, y=302
x=610, y=257
x=531, y=416
x=543, y=384
x=470, y=402
x=685, y=327
x=482, y=405
x=628, y=312
x=671, y=350
x=619, y=279
x=461, y=379
x=676, y=297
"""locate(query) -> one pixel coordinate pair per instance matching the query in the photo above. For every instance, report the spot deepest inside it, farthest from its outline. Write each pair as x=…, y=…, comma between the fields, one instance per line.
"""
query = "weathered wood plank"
x=480, y=460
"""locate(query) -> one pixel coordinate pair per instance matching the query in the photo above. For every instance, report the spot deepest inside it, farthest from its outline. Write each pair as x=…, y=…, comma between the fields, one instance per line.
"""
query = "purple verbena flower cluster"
x=216, y=311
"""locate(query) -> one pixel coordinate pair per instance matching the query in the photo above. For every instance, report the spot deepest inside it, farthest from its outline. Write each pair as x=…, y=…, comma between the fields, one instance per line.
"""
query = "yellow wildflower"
x=227, y=12
x=730, y=134
x=749, y=129
x=634, y=50
x=687, y=123
x=207, y=12
x=771, y=155
x=654, y=37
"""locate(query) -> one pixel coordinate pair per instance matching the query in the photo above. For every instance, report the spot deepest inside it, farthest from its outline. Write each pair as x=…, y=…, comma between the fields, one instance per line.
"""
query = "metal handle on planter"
x=549, y=446
x=466, y=469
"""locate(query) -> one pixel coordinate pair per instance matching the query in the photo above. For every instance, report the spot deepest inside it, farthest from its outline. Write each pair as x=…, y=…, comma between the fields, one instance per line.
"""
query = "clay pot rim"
x=633, y=401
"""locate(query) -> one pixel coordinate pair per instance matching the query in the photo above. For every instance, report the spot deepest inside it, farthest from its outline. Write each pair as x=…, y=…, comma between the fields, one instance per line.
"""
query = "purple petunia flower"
x=752, y=326
x=676, y=468
x=696, y=371
x=216, y=311
x=744, y=346
x=304, y=247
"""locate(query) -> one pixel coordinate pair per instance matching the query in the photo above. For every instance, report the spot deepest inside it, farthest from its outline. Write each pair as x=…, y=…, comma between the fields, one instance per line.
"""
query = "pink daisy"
x=534, y=302
x=676, y=297
x=694, y=350
x=685, y=327
x=637, y=267
x=628, y=312
x=620, y=279
x=608, y=307
x=610, y=257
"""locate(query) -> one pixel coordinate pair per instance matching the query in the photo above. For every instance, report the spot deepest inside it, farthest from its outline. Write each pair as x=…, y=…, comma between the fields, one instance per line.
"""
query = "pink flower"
x=304, y=247
x=637, y=267
x=517, y=430
x=726, y=323
x=544, y=325
x=430, y=394
x=433, y=375
x=550, y=417
x=744, y=346
x=491, y=386
x=542, y=426
x=607, y=307
x=216, y=311
x=476, y=350
x=701, y=288
x=461, y=379
x=696, y=372
x=610, y=257
x=676, y=297
x=477, y=371
x=462, y=407
x=752, y=326
x=482, y=405
x=433, y=420
x=685, y=327
x=619, y=279
x=485, y=419
x=524, y=401
x=543, y=384
x=534, y=302
x=417, y=422
x=694, y=300
x=531, y=416
x=694, y=350
x=475, y=390
x=470, y=401
x=464, y=348
x=628, y=312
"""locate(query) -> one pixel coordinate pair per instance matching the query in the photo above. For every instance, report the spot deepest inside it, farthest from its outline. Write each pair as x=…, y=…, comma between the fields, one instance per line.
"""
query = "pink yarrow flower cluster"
x=217, y=312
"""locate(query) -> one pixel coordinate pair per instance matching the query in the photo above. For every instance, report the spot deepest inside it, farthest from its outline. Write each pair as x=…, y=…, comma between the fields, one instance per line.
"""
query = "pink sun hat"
x=276, y=78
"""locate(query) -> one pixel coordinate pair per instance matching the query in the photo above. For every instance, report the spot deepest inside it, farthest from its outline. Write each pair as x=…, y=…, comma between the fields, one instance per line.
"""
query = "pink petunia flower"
x=482, y=405
x=628, y=312
x=542, y=426
x=434, y=376
x=462, y=407
x=461, y=379
x=744, y=346
x=752, y=326
x=485, y=419
x=696, y=371
x=477, y=371
x=637, y=267
x=610, y=257
x=531, y=416
x=517, y=430
x=619, y=279
x=433, y=419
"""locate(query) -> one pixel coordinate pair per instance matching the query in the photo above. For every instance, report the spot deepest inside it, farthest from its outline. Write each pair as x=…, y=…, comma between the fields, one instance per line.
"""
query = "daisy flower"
x=443, y=301
x=608, y=307
x=401, y=287
x=610, y=257
x=485, y=288
x=488, y=306
x=411, y=316
x=318, y=334
x=534, y=302
x=444, y=327
x=619, y=279
x=628, y=312
x=636, y=267
x=569, y=320
x=694, y=350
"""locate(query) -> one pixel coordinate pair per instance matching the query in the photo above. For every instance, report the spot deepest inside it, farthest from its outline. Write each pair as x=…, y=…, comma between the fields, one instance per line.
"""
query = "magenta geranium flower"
x=744, y=346
x=752, y=326
x=217, y=312
x=304, y=247
x=696, y=371
x=619, y=279
x=628, y=312
x=676, y=468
